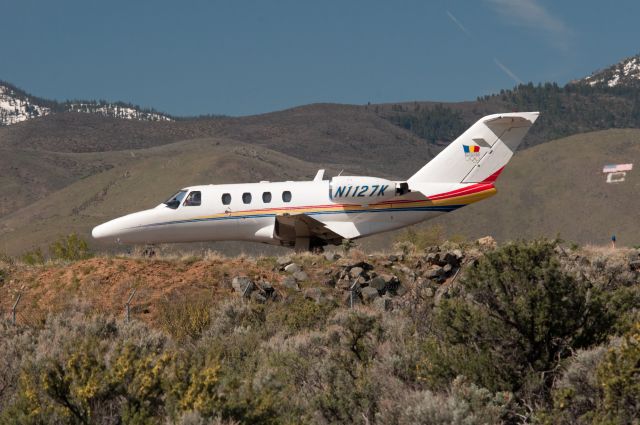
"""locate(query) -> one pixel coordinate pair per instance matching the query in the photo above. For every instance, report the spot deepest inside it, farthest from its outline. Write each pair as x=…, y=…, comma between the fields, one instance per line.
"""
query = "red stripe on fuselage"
x=479, y=187
x=493, y=177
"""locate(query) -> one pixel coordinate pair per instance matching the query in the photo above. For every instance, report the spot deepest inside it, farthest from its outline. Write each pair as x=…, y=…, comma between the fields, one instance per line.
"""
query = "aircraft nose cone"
x=102, y=231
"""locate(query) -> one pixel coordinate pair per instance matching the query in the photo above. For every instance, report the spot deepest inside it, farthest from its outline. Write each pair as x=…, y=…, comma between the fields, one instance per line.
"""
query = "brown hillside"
x=144, y=183
x=558, y=188
x=47, y=154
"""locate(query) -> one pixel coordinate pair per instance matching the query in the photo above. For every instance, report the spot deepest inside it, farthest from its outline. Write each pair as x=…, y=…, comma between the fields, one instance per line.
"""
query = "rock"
x=362, y=264
x=378, y=283
x=383, y=303
x=406, y=270
x=331, y=256
x=433, y=272
x=292, y=268
x=300, y=276
x=393, y=258
x=386, y=263
x=447, y=268
x=290, y=282
x=243, y=285
x=390, y=281
x=329, y=282
x=267, y=288
x=369, y=294
x=344, y=284
x=283, y=261
x=400, y=290
x=259, y=298
x=487, y=242
x=432, y=258
x=356, y=271
x=451, y=259
x=314, y=294
x=346, y=298
x=388, y=278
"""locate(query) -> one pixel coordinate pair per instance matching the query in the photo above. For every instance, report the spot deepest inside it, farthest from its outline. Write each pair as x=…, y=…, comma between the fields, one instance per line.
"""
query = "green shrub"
x=347, y=245
x=96, y=370
x=518, y=309
x=297, y=314
x=33, y=257
x=619, y=378
x=70, y=248
x=184, y=318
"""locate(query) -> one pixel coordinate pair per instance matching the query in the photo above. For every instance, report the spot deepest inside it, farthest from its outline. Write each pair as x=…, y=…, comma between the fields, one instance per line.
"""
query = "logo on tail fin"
x=471, y=152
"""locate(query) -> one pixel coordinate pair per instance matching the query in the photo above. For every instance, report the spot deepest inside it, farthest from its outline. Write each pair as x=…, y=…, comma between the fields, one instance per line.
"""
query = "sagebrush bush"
x=619, y=378
x=184, y=319
x=464, y=403
x=577, y=391
x=521, y=336
x=70, y=248
x=33, y=257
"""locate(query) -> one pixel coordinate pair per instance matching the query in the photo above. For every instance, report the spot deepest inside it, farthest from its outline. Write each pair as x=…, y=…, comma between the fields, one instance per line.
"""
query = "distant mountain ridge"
x=624, y=73
x=621, y=79
x=16, y=106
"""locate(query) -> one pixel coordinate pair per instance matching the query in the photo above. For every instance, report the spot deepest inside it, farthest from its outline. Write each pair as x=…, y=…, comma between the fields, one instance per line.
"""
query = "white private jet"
x=308, y=215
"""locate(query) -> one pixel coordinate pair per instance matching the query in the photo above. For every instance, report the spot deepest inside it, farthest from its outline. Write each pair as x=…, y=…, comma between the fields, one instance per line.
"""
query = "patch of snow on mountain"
x=632, y=67
x=614, y=81
x=14, y=109
x=116, y=111
x=625, y=72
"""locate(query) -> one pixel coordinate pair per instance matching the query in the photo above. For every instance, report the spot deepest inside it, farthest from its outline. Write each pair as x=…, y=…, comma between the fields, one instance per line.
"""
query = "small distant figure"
x=613, y=241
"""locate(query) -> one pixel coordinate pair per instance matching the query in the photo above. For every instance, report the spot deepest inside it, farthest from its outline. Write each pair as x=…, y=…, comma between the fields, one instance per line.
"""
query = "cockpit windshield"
x=175, y=200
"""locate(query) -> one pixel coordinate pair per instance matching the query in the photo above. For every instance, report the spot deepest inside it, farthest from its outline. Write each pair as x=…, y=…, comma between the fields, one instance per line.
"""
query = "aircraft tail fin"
x=480, y=153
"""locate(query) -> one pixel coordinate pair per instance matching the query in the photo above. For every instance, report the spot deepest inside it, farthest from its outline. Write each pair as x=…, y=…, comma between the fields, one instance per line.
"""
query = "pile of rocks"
x=361, y=283
x=259, y=291
x=377, y=281
x=439, y=265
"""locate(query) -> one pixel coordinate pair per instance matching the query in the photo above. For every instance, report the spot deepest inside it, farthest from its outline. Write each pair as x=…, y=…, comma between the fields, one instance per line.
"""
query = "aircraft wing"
x=294, y=226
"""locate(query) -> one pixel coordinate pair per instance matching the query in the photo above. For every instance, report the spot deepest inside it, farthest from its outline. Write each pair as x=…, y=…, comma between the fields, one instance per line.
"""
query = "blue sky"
x=245, y=57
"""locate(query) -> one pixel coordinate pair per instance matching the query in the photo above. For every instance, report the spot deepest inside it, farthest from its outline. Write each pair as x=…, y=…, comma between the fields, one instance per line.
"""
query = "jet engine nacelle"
x=364, y=190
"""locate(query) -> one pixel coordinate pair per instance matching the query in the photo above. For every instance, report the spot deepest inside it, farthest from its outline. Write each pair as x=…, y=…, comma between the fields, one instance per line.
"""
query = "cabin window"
x=193, y=200
x=246, y=198
x=226, y=199
x=266, y=197
x=175, y=200
x=286, y=196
